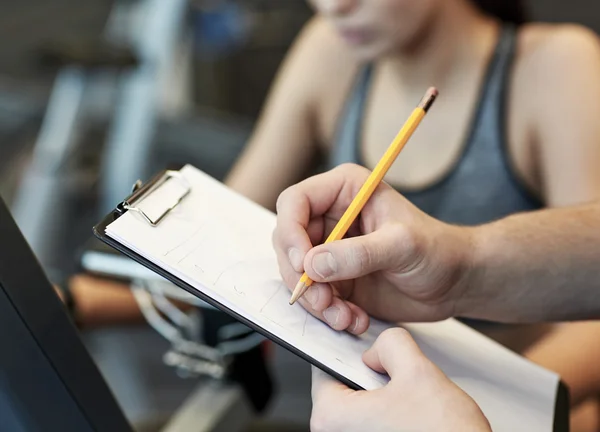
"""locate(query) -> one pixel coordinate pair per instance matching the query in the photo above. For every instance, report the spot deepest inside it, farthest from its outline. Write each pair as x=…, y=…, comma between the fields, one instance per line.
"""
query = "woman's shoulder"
x=548, y=35
x=553, y=62
x=556, y=102
x=557, y=47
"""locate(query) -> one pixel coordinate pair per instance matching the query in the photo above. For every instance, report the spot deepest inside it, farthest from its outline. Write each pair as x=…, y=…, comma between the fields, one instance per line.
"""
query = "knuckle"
x=415, y=364
x=407, y=241
x=278, y=240
x=404, y=236
x=346, y=167
x=351, y=169
x=361, y=256
x=370, y=254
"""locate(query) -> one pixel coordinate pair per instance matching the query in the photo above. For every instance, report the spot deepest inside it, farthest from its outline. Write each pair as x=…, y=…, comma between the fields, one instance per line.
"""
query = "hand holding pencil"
x=373, y=181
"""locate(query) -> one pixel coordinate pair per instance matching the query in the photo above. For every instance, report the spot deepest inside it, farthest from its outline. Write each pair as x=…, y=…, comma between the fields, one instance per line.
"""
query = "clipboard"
x=129, y=204
x=141, y=191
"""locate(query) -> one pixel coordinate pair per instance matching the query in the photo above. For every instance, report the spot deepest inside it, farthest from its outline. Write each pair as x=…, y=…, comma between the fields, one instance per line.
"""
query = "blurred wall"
x=26, y=25
x=586, y=12
x=237, y=84
x=238, y=79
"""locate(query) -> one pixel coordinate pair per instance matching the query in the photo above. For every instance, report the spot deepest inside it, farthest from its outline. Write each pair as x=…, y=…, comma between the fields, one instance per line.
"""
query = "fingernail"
x=312, y=295
x=355, y=325
x=324, y=264
x=295, y=259
x=331, y=315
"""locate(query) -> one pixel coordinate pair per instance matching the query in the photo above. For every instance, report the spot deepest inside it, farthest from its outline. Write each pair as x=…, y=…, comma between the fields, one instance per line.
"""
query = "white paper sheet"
x=220, y=243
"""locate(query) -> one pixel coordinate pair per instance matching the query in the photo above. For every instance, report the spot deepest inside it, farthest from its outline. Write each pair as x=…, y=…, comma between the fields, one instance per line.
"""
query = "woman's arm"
x=566, y=128
x=565, y=107
x=573, y=350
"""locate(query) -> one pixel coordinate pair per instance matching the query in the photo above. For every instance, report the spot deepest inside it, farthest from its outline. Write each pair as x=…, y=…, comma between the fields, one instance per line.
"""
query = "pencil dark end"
x=430, y=96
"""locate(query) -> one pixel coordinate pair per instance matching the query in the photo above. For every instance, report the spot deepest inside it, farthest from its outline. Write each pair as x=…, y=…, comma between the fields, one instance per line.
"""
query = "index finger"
x=320, y=192
x=295, y=206
x=311, y=198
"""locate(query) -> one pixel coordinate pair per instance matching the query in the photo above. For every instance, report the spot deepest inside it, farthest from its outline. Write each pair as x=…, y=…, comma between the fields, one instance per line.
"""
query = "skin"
x=399, y=264
x=418, y=397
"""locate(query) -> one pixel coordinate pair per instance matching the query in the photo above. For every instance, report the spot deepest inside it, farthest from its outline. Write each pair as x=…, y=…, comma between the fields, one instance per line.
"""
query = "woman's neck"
x=457, y=38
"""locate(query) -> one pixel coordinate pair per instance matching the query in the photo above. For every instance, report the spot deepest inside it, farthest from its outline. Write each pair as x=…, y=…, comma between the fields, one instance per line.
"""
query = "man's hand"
x=419, y=396
x=396, y=263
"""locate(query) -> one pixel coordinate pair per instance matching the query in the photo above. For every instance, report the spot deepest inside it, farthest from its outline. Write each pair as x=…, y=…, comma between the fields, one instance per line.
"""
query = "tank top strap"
x=346, y=141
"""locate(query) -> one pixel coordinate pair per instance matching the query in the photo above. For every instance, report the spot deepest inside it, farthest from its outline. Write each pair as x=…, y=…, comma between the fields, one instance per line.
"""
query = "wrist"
x=471, y=269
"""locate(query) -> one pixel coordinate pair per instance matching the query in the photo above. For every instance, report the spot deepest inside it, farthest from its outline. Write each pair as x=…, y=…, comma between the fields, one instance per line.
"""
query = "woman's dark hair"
x=513, y=11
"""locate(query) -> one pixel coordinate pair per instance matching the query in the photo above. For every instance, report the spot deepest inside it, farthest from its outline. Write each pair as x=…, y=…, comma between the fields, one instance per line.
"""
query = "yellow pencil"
x=373, y=181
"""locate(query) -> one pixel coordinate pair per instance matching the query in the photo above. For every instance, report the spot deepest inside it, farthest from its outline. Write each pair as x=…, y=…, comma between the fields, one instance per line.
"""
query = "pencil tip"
x=295, y=297
x=298, y=291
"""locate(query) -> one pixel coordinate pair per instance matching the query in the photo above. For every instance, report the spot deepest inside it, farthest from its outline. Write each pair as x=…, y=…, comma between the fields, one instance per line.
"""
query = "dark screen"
x=48, y=380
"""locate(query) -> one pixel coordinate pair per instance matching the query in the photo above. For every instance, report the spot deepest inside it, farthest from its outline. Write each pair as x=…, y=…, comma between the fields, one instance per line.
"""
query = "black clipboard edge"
x=100, y=232
x=562, y=409
x=561, y=406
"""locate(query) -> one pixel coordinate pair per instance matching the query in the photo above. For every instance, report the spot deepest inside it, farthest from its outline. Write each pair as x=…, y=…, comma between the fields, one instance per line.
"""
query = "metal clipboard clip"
x=140, y=192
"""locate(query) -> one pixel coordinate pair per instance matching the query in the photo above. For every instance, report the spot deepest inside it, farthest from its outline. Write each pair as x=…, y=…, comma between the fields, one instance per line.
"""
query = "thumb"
x=394, y=352
x=392, y=247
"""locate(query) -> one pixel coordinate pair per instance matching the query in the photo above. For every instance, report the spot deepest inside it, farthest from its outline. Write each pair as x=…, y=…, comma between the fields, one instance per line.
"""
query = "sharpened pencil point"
x=299, y=291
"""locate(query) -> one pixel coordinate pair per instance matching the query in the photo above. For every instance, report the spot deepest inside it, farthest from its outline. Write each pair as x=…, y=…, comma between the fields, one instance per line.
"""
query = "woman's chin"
x=367, y=52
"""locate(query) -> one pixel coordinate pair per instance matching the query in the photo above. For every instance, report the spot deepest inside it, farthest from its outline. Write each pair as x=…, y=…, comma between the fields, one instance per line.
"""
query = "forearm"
x=101, y=302
x=539, y=266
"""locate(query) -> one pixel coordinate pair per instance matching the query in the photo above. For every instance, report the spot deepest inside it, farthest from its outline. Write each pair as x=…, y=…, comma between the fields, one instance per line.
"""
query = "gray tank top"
x=482, y=185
